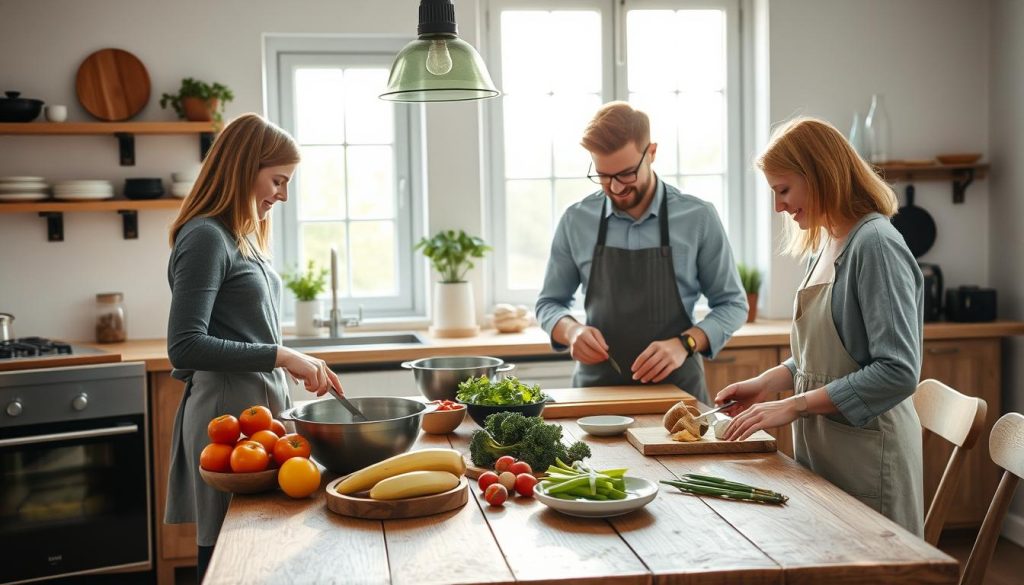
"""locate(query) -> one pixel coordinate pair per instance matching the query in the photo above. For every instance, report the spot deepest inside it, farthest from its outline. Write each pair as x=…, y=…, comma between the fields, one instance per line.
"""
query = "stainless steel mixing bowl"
x=342, y=445
x=438, y=377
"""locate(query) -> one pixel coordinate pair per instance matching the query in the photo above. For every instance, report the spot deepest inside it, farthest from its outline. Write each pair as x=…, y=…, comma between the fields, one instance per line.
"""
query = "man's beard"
x=633, y=198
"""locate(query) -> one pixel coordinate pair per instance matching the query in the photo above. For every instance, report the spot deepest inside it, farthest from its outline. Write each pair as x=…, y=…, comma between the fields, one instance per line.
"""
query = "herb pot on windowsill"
x=454, y=312
x=751, y=307
x=198, y=109
x=306, y=315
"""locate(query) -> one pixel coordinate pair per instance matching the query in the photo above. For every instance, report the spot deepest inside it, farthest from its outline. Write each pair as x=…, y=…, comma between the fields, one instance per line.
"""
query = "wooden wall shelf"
x=960, y=175
x=125, y=132
x=53, y=212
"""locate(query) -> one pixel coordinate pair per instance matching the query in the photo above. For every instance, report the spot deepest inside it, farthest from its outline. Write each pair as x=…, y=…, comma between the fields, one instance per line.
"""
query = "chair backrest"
x=960, y=420
x=1006, y=446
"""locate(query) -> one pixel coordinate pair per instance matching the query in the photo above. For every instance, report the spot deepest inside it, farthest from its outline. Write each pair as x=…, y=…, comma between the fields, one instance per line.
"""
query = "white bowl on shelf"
x=639, y=493
x=181, y=189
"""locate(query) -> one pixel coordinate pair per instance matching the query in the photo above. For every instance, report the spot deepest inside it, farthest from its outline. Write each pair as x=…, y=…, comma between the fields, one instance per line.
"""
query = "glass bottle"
x=856, y=136
x=876, y=131
x=111, y=324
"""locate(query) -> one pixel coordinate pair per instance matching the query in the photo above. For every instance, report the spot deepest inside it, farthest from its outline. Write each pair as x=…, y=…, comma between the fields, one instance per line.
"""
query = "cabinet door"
x=733, y=365
x=972, y=368
x=174, y=541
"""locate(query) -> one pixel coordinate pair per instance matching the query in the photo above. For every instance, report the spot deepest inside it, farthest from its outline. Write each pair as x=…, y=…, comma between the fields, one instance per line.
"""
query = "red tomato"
x=524, y=484
x=266, y=438
x=216, y=457
x=486, y=479
x=224, y=429
x=520, y=467
x=289, y=446
x=496, y=494
x=503, y=463
x=255, y=418
x=248, y=457
x=278, y=428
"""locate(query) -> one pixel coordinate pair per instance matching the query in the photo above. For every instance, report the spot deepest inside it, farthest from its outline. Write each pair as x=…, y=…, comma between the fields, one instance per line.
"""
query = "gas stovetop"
x=28, y=348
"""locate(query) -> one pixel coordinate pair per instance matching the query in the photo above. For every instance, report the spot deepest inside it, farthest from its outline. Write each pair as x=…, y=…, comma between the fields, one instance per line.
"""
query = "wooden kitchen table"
x=822, y=535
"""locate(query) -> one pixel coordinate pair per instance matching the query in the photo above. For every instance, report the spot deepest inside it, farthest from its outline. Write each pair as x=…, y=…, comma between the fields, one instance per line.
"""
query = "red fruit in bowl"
x=503, y=463
x=496, y=494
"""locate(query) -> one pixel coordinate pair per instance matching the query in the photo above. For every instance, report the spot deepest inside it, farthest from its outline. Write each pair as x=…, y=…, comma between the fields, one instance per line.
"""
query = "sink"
x=358, y=339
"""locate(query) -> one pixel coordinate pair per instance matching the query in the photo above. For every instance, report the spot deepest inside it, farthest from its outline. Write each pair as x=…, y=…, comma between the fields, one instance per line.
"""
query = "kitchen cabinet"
x=175, y=543
x=972, y=367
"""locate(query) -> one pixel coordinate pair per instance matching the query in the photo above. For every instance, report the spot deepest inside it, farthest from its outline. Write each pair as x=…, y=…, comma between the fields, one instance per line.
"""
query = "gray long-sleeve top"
x=878, y=310
x=224, y=307
x=701, y=256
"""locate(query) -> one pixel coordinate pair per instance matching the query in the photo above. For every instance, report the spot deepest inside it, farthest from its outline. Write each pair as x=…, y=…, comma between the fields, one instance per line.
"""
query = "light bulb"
x=439, y=60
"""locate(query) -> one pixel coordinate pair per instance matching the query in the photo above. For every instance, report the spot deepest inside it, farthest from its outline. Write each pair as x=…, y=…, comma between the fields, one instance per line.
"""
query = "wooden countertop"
x=822, y=535
x=534, y=342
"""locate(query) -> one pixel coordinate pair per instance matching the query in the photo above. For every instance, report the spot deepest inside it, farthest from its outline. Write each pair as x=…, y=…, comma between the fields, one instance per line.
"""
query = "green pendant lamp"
x=438, y=66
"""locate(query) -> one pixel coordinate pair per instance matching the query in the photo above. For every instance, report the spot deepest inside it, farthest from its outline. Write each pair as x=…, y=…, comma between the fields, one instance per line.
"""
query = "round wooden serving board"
x=358, y=507
x=112, y=85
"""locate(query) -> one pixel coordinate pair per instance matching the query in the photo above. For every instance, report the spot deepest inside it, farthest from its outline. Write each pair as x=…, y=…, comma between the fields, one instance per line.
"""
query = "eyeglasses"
x=623, y=178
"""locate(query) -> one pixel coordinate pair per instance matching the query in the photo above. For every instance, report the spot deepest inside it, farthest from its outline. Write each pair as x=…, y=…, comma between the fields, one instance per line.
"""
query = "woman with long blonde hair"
x=223, y=335
x=857, y=327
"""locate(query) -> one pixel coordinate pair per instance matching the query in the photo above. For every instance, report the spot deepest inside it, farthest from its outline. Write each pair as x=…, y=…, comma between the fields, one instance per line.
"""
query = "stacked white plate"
x=83, y=190
x=23, y=189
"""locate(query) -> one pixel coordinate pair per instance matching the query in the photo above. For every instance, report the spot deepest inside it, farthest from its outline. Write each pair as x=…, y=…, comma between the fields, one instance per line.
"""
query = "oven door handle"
x=34, y=439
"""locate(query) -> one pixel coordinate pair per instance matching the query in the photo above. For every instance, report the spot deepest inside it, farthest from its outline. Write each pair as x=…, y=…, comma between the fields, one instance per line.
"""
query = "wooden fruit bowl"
x=442, y=422
x=958, y=158
x=361, y=506
x=241, y=483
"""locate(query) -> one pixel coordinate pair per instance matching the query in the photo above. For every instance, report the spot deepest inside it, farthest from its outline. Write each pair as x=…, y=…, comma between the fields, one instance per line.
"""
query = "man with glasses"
x=643, y=253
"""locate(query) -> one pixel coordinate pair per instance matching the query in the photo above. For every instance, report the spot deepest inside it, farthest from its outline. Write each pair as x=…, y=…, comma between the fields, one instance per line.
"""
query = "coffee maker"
x=932, y=291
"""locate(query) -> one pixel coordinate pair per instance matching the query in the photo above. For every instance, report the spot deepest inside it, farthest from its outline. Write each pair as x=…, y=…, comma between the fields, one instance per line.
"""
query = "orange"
x=298, y=477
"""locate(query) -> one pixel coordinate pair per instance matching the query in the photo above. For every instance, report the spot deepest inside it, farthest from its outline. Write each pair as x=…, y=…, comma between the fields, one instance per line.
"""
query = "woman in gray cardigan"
x=223, y=335
x=857, y=327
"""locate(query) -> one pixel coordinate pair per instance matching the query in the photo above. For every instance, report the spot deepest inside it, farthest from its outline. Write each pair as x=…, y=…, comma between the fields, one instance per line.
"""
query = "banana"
x=413, y=484
x=422, y=460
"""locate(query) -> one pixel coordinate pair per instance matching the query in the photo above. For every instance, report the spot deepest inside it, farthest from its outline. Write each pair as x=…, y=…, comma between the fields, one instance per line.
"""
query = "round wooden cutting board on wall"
x=112, y=85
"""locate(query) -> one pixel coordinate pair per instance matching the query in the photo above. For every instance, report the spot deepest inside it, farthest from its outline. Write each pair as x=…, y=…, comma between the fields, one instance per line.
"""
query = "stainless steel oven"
x=74, y=479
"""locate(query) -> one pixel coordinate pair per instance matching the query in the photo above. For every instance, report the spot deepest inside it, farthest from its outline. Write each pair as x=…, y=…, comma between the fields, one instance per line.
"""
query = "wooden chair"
x=960, y=420
x=1006, y=446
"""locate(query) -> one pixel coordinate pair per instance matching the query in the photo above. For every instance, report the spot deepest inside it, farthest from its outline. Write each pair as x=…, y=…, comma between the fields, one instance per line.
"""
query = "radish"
x=496, y=494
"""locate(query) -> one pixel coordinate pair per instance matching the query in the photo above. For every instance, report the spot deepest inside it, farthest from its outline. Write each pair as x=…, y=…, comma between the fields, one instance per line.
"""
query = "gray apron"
x=879, y=464
x=632, y=299
x=207, y=395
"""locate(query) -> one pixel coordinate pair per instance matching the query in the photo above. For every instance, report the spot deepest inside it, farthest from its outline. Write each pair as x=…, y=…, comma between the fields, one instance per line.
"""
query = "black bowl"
x=143, y=188
x=480, y=412
x=16, y=109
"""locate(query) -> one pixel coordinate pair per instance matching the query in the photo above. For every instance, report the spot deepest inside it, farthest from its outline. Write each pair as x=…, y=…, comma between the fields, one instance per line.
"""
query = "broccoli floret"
x=508, y=428
x=492, y=424
x=578, y=451
x=524, y=437
x=484, y=450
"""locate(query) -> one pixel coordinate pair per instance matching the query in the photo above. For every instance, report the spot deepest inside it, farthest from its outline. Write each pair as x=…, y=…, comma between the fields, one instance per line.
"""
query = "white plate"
x=84, y=183
x=639, y=492
x=22, y=186
x=93, y=189
x=23, y=196
x=605, y=425
x=82, y=196
x=21, y=179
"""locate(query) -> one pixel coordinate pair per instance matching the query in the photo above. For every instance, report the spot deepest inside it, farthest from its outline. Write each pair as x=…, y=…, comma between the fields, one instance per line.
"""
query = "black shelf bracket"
x=962, y=178
x=129, y=223
x=54, y=225
x=205, y=142
x=126, y=148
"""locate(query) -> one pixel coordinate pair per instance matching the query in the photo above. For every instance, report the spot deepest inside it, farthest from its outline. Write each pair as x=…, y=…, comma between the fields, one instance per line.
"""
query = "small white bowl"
x=605, y=425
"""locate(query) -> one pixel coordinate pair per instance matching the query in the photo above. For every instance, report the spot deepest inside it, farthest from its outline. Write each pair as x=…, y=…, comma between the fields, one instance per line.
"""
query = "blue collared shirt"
x=701, y=256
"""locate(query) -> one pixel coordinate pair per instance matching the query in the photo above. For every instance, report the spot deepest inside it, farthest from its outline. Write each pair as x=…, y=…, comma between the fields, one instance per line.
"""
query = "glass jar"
x=111, y=324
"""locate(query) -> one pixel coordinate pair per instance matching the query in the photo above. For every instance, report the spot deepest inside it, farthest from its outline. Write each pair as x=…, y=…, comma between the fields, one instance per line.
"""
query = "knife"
x=714, y=410
x=615, y=365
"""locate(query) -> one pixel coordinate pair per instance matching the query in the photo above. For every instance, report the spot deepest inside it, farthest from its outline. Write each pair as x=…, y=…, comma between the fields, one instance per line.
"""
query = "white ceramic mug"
x=56, y=113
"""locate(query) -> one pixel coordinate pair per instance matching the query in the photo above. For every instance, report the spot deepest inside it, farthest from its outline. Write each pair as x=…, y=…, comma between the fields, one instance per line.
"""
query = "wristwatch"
x=689, y=344
x=800, y=401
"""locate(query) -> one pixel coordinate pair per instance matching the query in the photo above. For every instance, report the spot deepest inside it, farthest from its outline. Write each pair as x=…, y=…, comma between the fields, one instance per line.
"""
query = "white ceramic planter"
x=454, y=313
x=306, y=313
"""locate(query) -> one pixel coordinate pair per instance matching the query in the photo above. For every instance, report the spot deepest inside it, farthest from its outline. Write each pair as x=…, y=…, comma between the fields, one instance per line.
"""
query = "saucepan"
x=6, y=327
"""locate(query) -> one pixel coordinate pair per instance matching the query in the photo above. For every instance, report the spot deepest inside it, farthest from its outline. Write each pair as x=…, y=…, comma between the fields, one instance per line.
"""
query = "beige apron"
x=880, y=464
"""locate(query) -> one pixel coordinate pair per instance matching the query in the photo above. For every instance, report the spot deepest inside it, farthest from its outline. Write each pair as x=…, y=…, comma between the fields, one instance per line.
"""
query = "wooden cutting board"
x=364, y=507
x=112, y=85
x=645, y=399
x=657, y=441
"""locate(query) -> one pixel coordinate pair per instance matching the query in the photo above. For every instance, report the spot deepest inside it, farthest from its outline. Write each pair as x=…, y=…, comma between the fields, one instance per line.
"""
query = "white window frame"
x=284, y=54
x=614, y=81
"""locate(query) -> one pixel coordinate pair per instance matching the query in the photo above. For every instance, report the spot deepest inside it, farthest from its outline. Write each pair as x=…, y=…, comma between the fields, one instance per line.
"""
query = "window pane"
x=316, y=240
x=707, y=187
x=528, y=231
x=663, y=110
x=524, y=61
x=570, y=115
x=652, y=50
x=702, y=132
x=373, y=258
x=527, y=136
x=575, y=65
x=321, y=182
x=371, y=182
x=318, y=119
x=569, y=191
x=368, y=119
x=702, y=52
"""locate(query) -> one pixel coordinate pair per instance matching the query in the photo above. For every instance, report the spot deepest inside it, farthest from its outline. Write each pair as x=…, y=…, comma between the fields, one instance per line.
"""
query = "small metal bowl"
x=438, y=377
x=342, y=445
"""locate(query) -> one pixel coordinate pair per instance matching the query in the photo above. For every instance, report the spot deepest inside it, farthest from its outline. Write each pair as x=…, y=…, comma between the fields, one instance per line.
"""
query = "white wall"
x=1006, y=211
x=930, y=60
x=49, y=287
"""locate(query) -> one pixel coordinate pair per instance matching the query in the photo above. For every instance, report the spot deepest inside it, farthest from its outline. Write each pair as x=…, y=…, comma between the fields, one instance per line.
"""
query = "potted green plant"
x=306, y=286
x=452, y=253
x=198, y=101
x=750, y=276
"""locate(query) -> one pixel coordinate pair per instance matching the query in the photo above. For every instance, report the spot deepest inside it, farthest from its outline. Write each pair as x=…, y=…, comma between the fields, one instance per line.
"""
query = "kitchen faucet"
x=337, y=322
